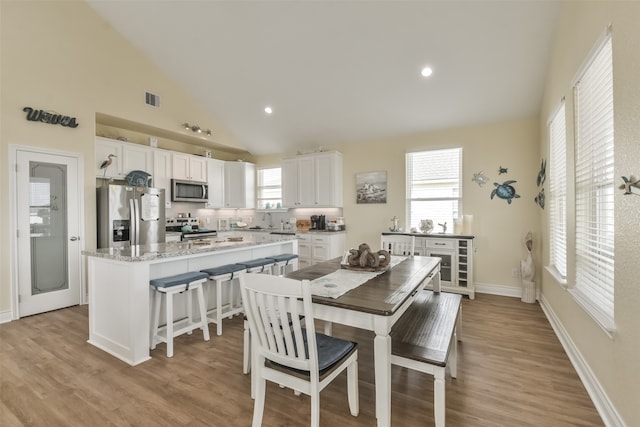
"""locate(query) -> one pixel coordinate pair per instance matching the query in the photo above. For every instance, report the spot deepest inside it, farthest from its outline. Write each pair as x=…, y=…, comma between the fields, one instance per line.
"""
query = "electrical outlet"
x=515, y=273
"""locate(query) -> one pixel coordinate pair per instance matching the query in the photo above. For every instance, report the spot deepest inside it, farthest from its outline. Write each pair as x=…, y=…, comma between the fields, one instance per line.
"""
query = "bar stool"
x=282, y=261
x=170, y=286
x=258, y=265
x=225, y=274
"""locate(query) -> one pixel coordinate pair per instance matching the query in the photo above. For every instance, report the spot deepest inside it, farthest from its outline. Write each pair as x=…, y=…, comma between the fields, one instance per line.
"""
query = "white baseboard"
x=605, y=408
x=505, y=291
x=5, y=316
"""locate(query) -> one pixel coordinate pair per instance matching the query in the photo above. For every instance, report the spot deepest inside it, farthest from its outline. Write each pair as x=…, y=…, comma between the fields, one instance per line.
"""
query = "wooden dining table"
x=376, y=305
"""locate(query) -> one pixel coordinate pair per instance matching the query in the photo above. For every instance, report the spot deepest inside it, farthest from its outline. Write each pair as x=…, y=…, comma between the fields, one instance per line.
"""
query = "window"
x=558, y=193
x=593, y=94
x=434, y=187
x=269, y=189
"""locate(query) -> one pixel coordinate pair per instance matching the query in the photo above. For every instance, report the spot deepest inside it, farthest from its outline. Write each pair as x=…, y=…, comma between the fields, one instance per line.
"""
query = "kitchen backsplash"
x=253, y=218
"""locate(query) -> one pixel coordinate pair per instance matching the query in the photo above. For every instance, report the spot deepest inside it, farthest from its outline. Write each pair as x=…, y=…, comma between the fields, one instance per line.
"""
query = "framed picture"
x=371, y=187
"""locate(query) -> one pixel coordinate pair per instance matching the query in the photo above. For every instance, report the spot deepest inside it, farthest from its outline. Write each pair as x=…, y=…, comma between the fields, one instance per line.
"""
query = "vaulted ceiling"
x=345, y=71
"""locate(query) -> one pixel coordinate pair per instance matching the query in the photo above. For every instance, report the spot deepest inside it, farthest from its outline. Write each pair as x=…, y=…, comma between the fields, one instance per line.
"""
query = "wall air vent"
x=152, y=99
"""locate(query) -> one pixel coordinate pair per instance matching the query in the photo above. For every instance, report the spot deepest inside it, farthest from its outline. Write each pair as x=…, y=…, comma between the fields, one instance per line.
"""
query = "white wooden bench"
x=425, y=339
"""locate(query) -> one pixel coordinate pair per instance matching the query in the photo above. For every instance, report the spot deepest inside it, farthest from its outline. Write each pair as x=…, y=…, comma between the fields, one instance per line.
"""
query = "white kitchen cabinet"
x=136, y=157
x=128, y=157
x=105, y=147
x=215, y=179
x=239, y=185
x=162, y=173
x=317, y=247
x=189, y=167
x=304, y=250
x=313, y=180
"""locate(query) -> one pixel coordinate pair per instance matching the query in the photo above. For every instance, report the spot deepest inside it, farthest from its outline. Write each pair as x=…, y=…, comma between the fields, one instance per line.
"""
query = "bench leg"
x=439, y=396
x=452, y=361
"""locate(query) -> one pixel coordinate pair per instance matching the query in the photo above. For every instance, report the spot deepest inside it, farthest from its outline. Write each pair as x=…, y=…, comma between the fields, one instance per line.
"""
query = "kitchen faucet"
x=269, y=215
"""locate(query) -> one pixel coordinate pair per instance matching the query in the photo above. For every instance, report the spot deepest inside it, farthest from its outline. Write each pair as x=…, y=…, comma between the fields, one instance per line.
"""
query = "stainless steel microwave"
x=189, y=191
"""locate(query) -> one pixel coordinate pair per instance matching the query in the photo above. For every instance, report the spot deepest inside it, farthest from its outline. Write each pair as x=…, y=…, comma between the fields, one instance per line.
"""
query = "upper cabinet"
x=110, y=151
x=125, y=157
x=239, y=185
x=215, y=179
x=189, y=167
x=313, y=180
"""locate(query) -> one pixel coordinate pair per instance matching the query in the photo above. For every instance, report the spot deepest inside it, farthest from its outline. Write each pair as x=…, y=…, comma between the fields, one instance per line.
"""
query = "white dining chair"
x=286, y=349
x=398, y=244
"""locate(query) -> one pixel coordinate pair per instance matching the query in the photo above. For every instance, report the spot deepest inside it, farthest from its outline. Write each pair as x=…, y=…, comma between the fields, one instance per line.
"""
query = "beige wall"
x=60, y=56
x=499, y=227
x=614, y=360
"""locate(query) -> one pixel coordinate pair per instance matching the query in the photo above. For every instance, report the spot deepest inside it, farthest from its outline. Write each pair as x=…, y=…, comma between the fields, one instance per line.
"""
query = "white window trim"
x=259, y=187
x=605, y=320
x=554, y=190
x=459, y=198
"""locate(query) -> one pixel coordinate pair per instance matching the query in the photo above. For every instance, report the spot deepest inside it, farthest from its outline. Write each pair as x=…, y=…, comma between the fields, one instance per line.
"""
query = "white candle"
x=467, y=224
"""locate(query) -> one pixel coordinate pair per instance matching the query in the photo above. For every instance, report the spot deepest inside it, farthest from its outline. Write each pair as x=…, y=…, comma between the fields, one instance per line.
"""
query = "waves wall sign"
x=52, y=118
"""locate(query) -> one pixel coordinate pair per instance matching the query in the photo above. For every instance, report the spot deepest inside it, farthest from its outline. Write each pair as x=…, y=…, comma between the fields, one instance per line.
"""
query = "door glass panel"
x=48, y=226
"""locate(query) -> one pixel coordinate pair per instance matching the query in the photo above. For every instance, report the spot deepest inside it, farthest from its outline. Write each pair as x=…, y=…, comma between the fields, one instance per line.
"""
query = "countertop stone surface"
x=176, y=249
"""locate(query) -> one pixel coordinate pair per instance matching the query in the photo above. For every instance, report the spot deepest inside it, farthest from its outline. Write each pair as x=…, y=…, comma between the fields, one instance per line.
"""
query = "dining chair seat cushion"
x=178, y=279
x=331, y=350
x=259, y=262
x=283, y=257
x=224, y=269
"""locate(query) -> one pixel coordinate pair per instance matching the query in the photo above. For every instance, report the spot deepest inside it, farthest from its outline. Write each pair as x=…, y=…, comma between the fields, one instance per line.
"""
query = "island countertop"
x=159, y=251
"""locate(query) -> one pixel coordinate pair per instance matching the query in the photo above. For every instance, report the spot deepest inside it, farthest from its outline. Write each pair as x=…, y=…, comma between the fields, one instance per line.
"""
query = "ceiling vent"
x=152, y=99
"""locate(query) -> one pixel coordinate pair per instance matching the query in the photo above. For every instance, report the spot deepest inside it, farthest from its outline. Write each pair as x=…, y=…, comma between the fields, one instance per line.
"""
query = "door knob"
x=74, y=238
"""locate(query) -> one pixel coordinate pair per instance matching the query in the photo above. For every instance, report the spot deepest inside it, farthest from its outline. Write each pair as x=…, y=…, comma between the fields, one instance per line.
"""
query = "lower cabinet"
x=317, y=247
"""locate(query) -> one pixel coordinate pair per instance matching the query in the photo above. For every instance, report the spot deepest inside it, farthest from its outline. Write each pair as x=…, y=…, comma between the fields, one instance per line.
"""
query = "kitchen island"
x=119, y=292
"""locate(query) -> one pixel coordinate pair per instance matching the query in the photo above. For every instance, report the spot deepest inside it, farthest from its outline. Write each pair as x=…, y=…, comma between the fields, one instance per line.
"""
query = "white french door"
x=47, y=192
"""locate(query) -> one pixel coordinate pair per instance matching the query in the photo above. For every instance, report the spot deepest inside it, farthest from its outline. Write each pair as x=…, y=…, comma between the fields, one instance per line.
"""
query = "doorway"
x=48, y=217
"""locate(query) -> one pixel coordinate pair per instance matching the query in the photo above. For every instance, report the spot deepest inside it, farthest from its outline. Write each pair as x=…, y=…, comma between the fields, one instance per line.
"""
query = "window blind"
x=558, y=192
x=594, y=146
x=269, y=188
x=434, y=186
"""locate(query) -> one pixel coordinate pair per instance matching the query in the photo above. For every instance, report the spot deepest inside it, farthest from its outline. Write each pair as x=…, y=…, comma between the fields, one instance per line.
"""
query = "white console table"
x=455, y=250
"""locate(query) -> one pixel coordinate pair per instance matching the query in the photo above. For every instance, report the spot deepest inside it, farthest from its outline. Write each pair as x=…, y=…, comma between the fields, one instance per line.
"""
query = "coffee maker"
x=318, y=222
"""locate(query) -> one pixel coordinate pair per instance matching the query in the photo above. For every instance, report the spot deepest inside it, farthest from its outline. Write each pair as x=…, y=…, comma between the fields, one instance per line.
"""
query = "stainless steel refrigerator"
x=130, y=215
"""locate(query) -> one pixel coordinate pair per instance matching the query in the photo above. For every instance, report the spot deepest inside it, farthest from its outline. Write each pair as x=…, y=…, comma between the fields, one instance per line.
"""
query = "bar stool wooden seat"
x=225, y=274
x=282, y=262
x=171, y=286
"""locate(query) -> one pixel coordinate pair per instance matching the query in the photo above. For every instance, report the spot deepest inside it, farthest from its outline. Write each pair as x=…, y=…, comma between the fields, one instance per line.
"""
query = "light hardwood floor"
x=512, y=372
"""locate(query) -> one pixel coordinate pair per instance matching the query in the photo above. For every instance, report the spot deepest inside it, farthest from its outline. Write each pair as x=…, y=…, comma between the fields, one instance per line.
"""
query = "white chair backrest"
x=398, y=245
x=273, y=306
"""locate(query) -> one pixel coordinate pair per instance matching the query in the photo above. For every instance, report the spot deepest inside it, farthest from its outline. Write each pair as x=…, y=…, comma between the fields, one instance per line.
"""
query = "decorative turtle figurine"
x=505, y=191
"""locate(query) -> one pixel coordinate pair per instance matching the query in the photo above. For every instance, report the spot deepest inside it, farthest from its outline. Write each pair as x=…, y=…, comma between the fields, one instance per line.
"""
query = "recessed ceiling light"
x=268, y=110
x=426, y=71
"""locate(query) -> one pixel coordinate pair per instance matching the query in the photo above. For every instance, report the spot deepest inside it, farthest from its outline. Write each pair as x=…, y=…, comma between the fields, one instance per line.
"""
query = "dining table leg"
x=382, y=363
